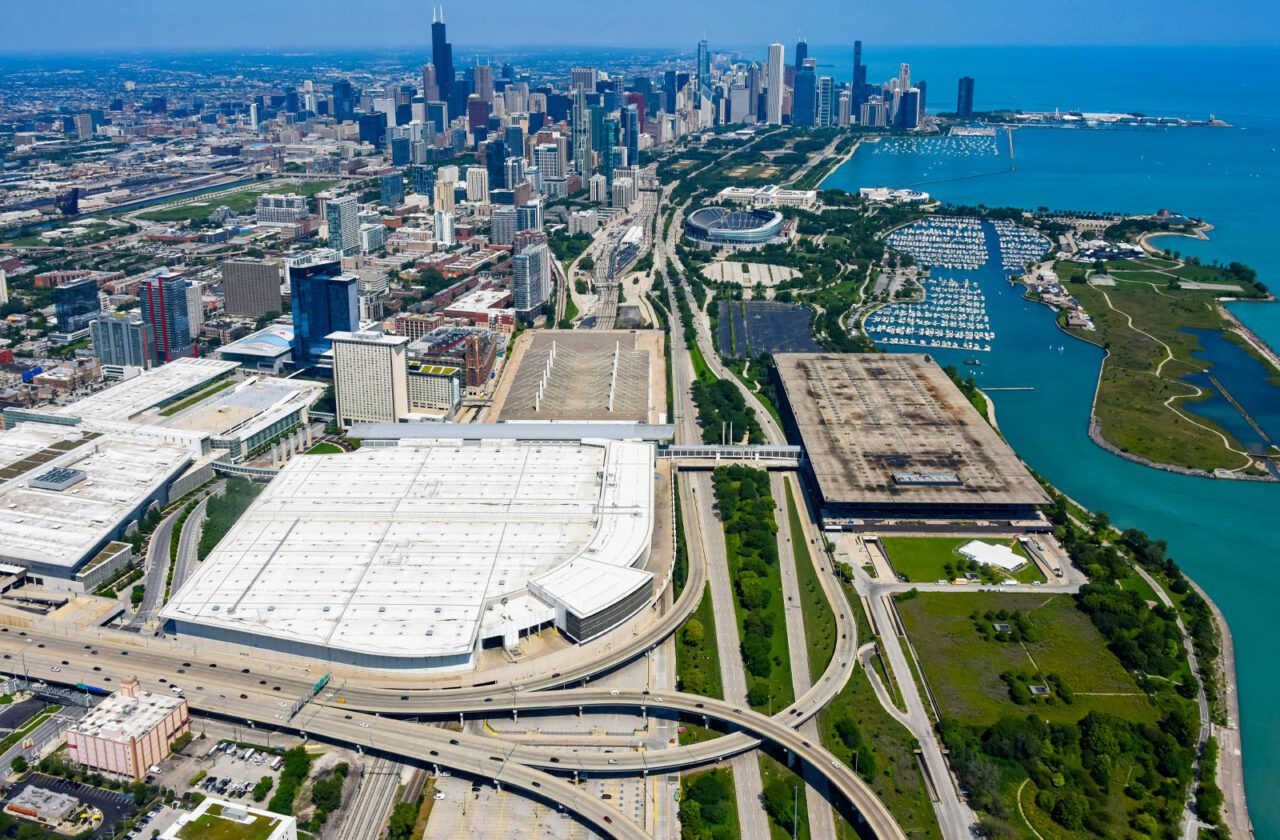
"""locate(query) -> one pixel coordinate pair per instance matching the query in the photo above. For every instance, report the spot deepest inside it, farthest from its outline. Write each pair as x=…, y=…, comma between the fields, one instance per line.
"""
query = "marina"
x=953, y=313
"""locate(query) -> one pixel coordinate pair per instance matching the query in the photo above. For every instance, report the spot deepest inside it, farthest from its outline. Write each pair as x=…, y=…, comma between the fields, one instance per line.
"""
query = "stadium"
x=735, y=228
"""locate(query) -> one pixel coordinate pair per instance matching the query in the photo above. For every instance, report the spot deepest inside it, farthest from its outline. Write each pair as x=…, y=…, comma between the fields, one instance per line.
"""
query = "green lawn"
x=819, y=620
x=777, y=774
x=211, y=825
x=243, y=201
x=1131, y=397
x=324, y=447
x=174, y=408
x=708, y=806
x=895, y=776
x=930, y=559
x=697, y=657
x=964, y=669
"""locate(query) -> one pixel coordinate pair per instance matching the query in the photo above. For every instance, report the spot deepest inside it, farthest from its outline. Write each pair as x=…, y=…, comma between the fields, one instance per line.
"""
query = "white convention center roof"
x=401, y=550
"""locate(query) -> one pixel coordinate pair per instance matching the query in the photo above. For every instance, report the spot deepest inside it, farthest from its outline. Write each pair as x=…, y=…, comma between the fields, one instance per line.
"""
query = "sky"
x=106, y=25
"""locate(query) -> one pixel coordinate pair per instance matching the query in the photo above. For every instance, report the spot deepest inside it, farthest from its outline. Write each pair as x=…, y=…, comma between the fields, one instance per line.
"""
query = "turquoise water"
x=1232, y=371
x=1226, y=534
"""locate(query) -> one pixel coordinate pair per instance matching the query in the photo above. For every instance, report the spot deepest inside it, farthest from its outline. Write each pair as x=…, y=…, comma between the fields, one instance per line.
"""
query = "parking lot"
x=15, y=714
x=116, y=807
x=749, y=328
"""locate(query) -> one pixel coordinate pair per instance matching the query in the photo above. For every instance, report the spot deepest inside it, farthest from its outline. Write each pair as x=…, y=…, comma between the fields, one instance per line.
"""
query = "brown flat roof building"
x=889, y=435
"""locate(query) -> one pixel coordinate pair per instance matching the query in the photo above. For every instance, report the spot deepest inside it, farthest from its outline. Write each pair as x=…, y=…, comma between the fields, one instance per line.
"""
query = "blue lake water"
x=1226, y=534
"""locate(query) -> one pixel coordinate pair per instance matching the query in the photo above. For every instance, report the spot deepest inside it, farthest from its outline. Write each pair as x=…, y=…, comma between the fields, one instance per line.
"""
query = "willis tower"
x=442, y=58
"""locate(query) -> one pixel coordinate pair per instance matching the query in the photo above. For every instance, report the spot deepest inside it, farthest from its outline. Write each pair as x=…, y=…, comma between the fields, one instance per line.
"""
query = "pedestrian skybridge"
x=710, y=455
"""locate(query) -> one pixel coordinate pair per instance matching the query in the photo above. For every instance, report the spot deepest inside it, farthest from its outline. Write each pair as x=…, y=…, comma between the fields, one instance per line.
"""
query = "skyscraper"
x=344, y=226
x=531, y=286
x=581, y=133
x=120, y=339
x=76, y=304
x=826, y=101
x=477, y=185
x=164, y=309
x=370, y=377
x=424, y=181
x=442, y=59
x=703, y=70
x=392, y=189
x=859, y=74
x=324, y=301
x=777, y=63
x=482, y=79
x=250, y=287
x=964, y=100
x=430, y=89
x=344, y=101
x=804, y=100
x=631, y=125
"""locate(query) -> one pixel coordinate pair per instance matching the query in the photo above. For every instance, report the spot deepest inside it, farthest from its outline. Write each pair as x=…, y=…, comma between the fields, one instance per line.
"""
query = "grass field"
x=242, y=201
x=698, y=661
x=819, y=620
x=772, y=770
x=195, y=398
x=964, y=669
x=1131, y=396
x=930, y=559
x=324, y=447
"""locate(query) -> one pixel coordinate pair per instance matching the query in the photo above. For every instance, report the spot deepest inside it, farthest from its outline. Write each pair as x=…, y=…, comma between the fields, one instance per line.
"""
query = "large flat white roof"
x=403, y=550
x=147, y=390
x=244, y=408
x=61, y=528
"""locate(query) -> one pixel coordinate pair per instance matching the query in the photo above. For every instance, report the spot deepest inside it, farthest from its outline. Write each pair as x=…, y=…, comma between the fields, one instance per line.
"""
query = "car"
x=55, y=669
x=93, y=653
x=346, y=717
x=613, y=761
x=65, y=662
x=453, y=741
x=488, y=699
x=438, y=797
x=244, y=670
x=124, y=653
x=182, y=670
x=606, y=796
x=244, y=697
x=608, y=819
x=555, y=760
x=275, y=688
x=163, y=680
x=614, y=692
x=404, y=697
x=97, y=667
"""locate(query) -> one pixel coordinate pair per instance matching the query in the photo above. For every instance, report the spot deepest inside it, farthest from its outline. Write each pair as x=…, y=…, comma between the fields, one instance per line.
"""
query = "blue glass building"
x=324, y=301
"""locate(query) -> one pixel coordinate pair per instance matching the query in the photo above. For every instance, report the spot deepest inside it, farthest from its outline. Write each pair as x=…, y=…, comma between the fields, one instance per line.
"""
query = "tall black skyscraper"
x=344, y=101
x=859, y=75
x=964, y=100
x=802, y=52
x=442, y=58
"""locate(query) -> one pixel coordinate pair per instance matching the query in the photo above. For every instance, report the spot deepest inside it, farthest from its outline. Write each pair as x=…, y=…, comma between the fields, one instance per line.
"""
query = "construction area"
x=889, y=436
x=586, y=375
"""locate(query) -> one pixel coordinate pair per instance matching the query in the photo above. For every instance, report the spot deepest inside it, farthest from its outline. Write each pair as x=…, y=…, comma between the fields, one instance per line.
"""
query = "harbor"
x=953, y=311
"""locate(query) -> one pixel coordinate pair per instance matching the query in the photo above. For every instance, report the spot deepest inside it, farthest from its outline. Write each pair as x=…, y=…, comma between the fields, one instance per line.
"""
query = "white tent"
x=1000, y=556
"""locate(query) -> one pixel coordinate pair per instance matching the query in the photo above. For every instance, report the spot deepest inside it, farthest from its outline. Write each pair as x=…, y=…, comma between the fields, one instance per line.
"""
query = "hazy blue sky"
x=158, y=24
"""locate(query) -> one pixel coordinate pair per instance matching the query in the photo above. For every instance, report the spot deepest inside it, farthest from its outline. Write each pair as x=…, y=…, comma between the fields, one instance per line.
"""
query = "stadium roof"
x=402, y=551
x=275, y=340
x=892, y=429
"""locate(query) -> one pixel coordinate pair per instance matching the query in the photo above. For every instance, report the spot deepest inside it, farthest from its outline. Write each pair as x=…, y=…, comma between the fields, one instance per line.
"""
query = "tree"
x=403, y=817
x=779, y=803
x=694, y=633
x=19, y=764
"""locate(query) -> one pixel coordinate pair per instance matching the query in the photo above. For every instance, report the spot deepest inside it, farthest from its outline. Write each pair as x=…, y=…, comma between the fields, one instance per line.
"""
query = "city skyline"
x=152, y=26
